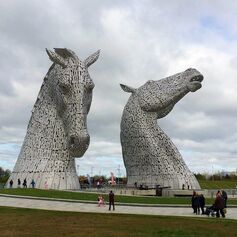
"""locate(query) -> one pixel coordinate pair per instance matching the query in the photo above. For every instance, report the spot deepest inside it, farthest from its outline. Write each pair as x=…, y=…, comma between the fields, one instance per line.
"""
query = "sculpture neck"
x=45, y=135
x=44, y=124
x=135, y=118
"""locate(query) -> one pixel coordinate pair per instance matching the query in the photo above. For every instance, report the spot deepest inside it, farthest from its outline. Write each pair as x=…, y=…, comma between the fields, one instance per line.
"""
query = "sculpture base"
x=171, y=181
x=47, y=180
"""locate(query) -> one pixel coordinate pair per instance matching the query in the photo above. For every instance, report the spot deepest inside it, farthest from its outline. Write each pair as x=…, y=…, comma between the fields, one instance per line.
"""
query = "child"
x=101, y=201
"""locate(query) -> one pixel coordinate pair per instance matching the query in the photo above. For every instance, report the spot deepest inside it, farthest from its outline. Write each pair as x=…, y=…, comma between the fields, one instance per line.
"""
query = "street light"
x=119, y=174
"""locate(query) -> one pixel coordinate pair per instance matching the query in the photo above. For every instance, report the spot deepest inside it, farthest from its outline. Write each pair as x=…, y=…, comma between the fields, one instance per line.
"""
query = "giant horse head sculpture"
x=150, y=157
x=160, y=96
x=71, y=88
x=57, y=130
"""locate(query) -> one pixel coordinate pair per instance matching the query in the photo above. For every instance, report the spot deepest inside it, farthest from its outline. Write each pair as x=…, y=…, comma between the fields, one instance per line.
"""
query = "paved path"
x=92, y=207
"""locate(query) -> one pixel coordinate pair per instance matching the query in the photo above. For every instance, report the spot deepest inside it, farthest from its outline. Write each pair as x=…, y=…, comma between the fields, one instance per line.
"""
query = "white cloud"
x=139, y=41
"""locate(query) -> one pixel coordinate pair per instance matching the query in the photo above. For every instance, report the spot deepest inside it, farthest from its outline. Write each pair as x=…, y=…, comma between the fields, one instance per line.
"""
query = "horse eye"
x=90, y=86
x=64, y=88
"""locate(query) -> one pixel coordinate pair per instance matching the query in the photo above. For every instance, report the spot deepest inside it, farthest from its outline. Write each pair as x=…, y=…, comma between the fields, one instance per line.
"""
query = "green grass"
x=218, y=184
x=19, y=222
x=94, y=196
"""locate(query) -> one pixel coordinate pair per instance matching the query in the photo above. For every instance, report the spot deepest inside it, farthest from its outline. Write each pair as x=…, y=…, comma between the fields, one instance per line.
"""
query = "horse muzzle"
x=77, y=145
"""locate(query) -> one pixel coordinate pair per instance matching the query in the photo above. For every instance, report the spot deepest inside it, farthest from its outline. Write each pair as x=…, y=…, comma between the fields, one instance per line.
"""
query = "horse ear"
x=56, y=58
x=92, y=58
x=65, y=53
x=127, y=88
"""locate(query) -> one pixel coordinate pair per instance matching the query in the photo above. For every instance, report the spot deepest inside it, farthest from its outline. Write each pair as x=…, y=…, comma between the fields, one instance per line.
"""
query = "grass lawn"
x=93, y=197
x=22, y=222
x=218, y=184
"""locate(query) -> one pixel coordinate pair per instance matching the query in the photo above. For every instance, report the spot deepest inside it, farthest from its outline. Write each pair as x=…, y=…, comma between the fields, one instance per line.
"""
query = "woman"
x=219, y=205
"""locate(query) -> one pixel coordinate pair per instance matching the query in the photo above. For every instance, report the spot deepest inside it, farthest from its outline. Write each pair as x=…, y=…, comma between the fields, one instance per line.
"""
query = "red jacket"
x=219, y=202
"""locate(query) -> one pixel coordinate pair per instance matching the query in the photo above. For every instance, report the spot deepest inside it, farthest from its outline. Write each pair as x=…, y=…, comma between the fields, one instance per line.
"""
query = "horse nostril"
x=87, y=139
x=75, y=141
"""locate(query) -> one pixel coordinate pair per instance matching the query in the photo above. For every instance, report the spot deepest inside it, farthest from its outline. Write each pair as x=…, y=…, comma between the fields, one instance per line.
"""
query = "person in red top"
x=219, y=205
x=111, y=200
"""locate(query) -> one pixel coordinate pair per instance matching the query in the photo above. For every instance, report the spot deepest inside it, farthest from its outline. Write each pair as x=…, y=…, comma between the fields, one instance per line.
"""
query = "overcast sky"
x=139, y=41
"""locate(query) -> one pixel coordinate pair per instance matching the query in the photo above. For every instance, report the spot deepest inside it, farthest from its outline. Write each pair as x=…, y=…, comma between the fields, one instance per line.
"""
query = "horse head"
x=70, y=89
x=161, y=96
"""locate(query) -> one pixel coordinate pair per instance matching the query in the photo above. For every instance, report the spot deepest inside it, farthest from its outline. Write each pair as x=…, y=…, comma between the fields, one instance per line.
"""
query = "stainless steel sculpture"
x=57, y=130
x=150, y=157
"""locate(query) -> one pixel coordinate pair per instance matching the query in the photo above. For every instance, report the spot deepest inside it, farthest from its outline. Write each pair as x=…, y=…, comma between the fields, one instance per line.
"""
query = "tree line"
x=4, y=175
x=217, y=176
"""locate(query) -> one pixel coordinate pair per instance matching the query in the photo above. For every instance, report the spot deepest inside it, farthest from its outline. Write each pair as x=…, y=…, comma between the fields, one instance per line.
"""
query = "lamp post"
x=119, y=173
x=212, y=173
x=92, y=178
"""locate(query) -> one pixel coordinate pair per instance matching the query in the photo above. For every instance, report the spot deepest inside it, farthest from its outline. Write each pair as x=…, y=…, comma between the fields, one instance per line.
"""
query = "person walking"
x=11, y=183
x=202, y=203
x=192, y=201
x=111, y=200
x=195, y=203
x=224, y=196
x=33, y=183
x=98, y=185
x=24, y=183
x=18, y=183
x=219, y=205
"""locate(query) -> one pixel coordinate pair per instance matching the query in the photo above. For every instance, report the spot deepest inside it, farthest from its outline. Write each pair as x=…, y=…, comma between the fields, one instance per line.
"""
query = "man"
x=111, y=200
x=195, y=203
x=25, y=183
x=18, y=183
x=11, y=183
x=202, y=203
x=224, y=196
x=33, y=183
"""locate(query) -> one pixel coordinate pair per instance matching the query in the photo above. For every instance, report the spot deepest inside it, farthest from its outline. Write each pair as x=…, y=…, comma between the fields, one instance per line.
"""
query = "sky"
x=139, y=41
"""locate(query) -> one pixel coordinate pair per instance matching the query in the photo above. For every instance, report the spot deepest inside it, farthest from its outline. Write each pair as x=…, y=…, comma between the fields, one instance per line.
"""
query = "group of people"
x=24, y=184
x=198, y=202
x=220, y=203
x=101, y=201
x=219, y=206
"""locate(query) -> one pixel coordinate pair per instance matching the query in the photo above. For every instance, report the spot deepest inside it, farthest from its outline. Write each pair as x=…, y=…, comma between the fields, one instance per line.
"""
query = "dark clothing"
x=202, y=203
x=192, y=201
x=219, y=202
x=195, y=204
x=210, y=211
x=11, y=183
x=33, y=183
x=219, y=206
x=218, y=211
x=224, y=196
x=111, y=197
x=25, y=183
x=18, y=182
x=111, y=200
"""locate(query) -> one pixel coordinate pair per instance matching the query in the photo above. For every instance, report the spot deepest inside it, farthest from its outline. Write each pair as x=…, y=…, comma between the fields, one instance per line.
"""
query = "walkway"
x=76, y=206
